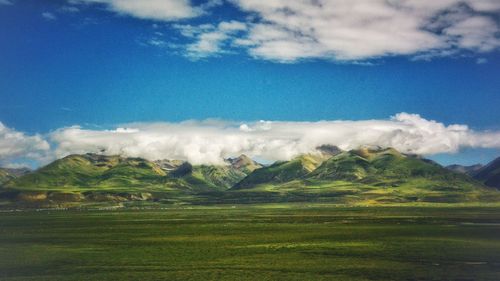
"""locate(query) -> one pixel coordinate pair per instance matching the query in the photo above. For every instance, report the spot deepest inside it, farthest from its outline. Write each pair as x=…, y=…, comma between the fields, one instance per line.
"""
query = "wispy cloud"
x=288, y=31
x=5, y=2
x=66, y=109
x=210, y=141
x=210, y=40
x=339, y=30
x=48, y=16
x=69, y=9
x=159, y=10
x=481, y=61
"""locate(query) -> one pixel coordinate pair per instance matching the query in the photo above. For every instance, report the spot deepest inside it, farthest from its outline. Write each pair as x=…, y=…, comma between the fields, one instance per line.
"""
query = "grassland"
x=254, y=242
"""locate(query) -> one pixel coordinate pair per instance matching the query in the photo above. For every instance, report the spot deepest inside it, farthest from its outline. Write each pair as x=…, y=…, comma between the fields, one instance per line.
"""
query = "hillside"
x=489, y=174
x=7, y=174
x=100, y=172
x=4, y=176
x=373, y=166
x=244, y=164
x=285, y=171
x=368, y=175
x=468, y=170
x=91, y=170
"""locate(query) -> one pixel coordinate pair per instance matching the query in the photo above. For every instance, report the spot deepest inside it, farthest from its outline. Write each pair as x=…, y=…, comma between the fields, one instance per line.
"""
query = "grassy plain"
x=254, y=242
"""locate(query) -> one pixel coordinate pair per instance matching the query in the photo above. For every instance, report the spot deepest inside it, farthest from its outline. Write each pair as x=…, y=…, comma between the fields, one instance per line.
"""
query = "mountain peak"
x=490, y=173
x=169, y=165
x=244, y=163
x=369, y=152
x=329, y=149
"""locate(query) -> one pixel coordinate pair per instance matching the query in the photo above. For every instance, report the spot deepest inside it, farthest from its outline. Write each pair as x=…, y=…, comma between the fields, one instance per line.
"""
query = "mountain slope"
x=373, y=165
x=468, y=170
x=489, y=174
x=244, y=164
x=5, y=176
x=280, y=172
x=100, y=172
x=222, y=177
x=217, y=177
x=367, y=176
x=91, y=170
x=370, y=175
x=73, y=170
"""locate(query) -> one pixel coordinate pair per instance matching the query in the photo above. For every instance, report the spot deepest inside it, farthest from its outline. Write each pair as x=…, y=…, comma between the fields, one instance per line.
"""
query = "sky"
x=204, y=80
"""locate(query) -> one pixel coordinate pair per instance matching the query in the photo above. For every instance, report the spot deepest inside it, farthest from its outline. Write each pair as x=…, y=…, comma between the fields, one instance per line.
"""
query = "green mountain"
x=220, y=177
x=366, y=175
x=91, y=170
x=468, y=170
x=244, y=164
x=4, y=176
x=7, y=174
x=380, y=165
x=285, y=171
x=489, y=174
x=99, y=172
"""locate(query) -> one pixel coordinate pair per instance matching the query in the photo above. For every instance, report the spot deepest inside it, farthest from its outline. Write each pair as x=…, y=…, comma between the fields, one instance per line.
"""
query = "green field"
x=262, y=242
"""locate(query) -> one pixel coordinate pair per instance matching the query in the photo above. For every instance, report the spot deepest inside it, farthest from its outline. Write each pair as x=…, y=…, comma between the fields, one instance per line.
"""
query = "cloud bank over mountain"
x=15, y=145
x=210, y=141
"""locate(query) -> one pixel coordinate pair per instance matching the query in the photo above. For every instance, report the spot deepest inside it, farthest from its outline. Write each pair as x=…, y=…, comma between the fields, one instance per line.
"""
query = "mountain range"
x=469, y=170
x=365, y=175
x=488, y=174
x=7, y=174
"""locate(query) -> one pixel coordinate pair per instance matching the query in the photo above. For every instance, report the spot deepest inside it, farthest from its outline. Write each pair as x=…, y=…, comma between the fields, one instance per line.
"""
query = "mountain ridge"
x=464, y=169
x=367, y=174
x=489, y=174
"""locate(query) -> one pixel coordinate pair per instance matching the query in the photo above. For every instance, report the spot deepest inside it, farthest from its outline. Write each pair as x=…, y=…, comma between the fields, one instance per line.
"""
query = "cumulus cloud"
x=15, y=144
x=353, y=30
x=476, y=33
x=209, y=142
x=339, y=30
x=160, y=10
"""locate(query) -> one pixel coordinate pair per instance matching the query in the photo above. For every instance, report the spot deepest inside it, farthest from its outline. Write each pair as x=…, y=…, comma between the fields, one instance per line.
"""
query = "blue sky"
x=101, y=63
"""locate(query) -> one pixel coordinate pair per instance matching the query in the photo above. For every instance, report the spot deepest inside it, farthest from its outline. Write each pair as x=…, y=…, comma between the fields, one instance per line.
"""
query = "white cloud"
x=210, y=40
x=210, y=142
x=156, y=42
x=14, y=144
x=353, y=30
x=160, y=10
x=5, y=2
x=485, y=5
x=48, y=16
x=475, y=33
x=481, y=60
